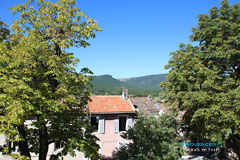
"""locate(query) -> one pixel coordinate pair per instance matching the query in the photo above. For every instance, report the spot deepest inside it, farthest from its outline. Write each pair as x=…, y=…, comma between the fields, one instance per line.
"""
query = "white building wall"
x=79, y=155
x=3, y=140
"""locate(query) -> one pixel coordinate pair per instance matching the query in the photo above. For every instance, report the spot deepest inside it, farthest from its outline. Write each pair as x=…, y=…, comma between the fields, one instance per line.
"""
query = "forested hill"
x=146, y=82
x=106, y=81
x=138, y=86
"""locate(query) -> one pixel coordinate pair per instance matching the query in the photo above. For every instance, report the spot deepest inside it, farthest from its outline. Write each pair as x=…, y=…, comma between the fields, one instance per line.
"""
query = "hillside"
x=138, y=86
x=146, y=82
x=106, y=81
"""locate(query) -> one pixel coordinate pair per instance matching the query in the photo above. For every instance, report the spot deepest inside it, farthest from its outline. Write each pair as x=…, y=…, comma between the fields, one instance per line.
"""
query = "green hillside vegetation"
x=147, y=82
x=106, y=81
x=138, y=86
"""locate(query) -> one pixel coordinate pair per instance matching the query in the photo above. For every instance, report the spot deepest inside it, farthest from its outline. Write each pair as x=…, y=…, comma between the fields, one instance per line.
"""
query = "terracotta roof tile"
x=110, y=104
x=145, y=105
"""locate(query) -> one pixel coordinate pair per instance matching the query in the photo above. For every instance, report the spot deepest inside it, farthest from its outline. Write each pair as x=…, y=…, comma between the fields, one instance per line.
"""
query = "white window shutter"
x=116, y=124
x=129, y=122
x=101, y=125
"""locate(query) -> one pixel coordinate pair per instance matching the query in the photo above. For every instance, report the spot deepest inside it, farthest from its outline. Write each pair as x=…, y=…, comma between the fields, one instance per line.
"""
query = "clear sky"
x=137, y=35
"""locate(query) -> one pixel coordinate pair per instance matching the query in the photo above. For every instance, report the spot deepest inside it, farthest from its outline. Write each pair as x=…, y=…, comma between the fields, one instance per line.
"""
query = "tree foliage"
x=152, y=138
x=204, y=80
x=4, y=32
x=42, y=96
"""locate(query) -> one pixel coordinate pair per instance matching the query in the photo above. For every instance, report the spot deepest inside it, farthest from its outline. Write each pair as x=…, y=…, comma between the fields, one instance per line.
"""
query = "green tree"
x=204, y=80
x=43, y=97
x=152, y=138
x=4, y=32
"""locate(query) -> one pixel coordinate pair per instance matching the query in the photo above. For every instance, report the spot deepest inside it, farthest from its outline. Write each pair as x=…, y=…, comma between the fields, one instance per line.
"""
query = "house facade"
x=111, y=116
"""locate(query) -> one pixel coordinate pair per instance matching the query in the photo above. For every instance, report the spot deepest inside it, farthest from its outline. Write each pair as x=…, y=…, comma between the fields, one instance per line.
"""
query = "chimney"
x=125, y=94
x=149, y=97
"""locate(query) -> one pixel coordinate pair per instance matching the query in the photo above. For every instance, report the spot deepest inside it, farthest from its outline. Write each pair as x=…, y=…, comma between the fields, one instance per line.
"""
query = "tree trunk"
x=43, y=138
x=23, y=145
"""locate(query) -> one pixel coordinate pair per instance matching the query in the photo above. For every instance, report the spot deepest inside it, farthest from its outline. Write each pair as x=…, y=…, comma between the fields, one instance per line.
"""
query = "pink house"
x=111, y=116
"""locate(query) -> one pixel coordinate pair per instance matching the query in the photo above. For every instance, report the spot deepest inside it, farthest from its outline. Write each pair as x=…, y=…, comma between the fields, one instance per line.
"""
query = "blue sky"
x=137, y=35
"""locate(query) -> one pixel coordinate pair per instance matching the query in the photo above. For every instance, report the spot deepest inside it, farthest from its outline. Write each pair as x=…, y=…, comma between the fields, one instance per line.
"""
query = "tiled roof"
x=167, y=109
x=145, y=105
x=164, y=108
x=110, y=104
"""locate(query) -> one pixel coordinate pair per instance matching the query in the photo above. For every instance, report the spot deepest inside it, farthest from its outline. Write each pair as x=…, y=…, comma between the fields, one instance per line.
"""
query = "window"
x=11, y=145
x=94, y=123
x=98, y=124
x=122, y=123
x=57, y=145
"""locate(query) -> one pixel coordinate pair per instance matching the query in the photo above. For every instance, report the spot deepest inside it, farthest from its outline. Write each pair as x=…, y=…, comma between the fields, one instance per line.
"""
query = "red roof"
x=110, y=104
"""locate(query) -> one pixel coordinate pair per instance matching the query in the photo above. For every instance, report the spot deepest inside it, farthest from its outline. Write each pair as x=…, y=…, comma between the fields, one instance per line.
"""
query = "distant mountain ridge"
x=106, y=84
x=146, y=82
x=106, y=81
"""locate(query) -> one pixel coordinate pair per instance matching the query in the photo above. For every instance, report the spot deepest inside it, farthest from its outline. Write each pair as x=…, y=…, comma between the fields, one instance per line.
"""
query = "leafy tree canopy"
x=152, y=138
x=38, y=80
x=204, y=80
